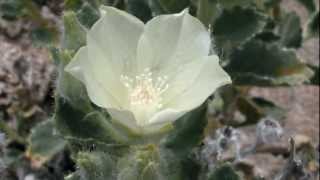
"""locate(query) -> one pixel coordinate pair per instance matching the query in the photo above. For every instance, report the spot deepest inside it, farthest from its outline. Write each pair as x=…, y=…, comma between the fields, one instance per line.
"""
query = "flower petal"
x=125, y=118
x=192, y=86
x=165, y=116
x=112, y=44
x=171, y=40
x=96, y=92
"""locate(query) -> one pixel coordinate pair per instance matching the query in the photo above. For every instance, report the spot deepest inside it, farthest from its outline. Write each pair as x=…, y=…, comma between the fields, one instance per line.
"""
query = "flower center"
x=145, y=90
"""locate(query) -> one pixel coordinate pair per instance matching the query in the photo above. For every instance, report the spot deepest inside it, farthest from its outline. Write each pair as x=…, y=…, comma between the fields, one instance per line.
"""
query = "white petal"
x=112, y=44
x=184, y=77
x=171, y=40
x=125, y=118
x=96, y=92
x=189, y=90
x=165, y=116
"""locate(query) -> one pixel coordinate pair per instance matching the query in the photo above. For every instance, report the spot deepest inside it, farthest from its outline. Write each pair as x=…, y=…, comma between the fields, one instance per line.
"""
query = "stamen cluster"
x=145, y=89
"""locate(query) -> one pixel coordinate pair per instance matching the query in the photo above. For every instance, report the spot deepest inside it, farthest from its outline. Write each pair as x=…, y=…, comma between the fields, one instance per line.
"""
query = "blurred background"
x=27, y=87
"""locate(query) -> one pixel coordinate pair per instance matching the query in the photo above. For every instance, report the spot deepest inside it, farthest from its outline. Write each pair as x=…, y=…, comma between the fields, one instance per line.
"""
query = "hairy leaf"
x=208, y=11
x=236, y=26
x=290, y=30
x=44, y=142
x=140, y=9
x=174, y=6
x=95, y=165
x=258, y=63
x=316, y=76
x=229, y=4
x=312, y=29
x=188, y=131
x=88, y=15
x=11, y=9
x=74, y=34
x=44, y=36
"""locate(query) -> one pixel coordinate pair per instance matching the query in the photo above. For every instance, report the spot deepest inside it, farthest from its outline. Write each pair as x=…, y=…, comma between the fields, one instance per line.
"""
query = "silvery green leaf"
x=188, y=132
x=141, y=163
x=11, y=9
x=312, y=28
x=290, y=30
x=44, y=141
x=229, y=4
x=236, y=26
x=259, y=63
x=88, y=14
x=316, y=76
x=140, y=9
x=45, y=36
x=208, y=11
x=74, y=35
x=174, y=6
x=73, y=4
x=156, y=7
x=95, y=166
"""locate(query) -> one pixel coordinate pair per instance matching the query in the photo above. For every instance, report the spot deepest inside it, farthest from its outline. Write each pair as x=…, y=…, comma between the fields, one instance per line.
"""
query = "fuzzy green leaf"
x=316, y=76
x=140, y=164
x=11, y=9
x=44, y=36
x=269, y=4
x=290, y=30
x=140, y=9
x=170, y=165
x=208, y=11
x=95, y=166
x=174, y=6
x=156, y=7
x=73, y=4
x=176, y=167
x=258, y=63
x=44, y=141
x=88, y=15
x=75, y=123
x=229, y=4
x=74, y=33
x=268, y=37
x=312, y=29
x=236, y=26
x=188, y=131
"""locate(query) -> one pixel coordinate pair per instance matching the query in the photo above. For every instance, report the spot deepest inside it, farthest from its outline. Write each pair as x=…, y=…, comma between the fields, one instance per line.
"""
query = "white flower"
x=147, y=75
